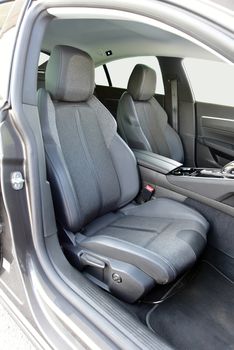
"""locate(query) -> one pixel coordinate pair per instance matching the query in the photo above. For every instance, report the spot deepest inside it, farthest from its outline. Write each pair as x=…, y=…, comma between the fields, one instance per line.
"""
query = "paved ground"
x=11, y=336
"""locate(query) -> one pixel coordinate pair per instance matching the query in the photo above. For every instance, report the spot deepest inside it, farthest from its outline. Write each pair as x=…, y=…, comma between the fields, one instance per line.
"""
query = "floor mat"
x=200, y=316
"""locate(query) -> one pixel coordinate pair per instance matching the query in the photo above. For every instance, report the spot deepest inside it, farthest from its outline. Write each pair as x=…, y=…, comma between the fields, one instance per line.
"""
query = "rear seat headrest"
x=142, y=83
x=69, y=74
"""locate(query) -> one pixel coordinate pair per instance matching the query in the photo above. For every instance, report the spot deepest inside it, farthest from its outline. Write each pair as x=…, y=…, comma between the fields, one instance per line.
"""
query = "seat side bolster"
x=128, y=124
x=149, y=262
x=64, y=195
x=126, y=168
x=175, y=144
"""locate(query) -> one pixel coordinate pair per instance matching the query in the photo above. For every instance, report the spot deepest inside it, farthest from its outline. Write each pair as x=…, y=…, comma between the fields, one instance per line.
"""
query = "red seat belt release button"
x=147, y=193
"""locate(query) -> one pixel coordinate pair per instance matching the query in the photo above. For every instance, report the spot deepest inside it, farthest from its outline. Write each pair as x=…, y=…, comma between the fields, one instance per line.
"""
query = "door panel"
x=215, y=134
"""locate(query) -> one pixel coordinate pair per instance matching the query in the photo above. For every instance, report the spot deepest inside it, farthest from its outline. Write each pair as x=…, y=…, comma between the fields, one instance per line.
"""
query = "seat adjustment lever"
x=90, y=260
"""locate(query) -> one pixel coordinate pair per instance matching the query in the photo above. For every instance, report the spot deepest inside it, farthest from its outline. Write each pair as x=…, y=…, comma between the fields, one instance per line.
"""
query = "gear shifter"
x=228, y=170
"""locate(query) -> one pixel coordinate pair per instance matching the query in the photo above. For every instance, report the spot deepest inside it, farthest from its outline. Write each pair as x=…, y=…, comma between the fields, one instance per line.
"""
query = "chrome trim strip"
x=217, y=118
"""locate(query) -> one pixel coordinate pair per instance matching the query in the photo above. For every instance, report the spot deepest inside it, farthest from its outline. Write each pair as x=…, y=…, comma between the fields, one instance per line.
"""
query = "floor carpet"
x=200, y=315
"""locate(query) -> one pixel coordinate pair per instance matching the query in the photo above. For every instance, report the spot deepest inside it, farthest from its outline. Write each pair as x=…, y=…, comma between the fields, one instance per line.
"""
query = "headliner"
x=124, y=38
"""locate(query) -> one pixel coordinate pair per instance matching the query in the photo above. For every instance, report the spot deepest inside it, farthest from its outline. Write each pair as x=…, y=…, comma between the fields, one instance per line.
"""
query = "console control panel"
x=200, y=172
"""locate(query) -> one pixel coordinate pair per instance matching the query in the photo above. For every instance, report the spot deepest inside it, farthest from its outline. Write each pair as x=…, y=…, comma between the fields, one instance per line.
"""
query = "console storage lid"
x=155, y=161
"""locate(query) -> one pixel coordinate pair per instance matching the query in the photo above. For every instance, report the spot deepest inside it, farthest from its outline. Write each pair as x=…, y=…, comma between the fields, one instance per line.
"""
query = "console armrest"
x=155, y=162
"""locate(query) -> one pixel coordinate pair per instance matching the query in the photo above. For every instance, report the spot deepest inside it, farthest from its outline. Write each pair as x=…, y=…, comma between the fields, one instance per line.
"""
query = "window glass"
x=211, y=82
x=6, y=47
x=120, y=71
x=9, y=13
x=100, y=76
x=4, y=11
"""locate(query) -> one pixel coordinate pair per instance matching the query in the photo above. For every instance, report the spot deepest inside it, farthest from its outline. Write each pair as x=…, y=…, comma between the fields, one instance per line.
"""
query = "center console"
x=213, y=186
x=169, y=166
x=201, y=172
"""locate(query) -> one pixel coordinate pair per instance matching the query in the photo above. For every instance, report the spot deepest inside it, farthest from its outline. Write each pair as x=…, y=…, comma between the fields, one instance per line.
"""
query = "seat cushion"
x=162, y=237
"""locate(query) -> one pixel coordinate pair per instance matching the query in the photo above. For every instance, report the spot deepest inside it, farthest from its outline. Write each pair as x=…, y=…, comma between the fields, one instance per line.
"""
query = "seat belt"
x=174, y=104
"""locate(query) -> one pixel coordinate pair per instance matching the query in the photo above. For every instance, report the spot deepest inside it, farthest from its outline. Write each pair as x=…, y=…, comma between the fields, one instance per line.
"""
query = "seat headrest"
x=142, y=83
x=69, y=74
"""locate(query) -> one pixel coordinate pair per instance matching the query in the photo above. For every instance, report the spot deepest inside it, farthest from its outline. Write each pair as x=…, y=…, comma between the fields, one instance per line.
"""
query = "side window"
x=120, y=71
x=211, y=82
x=9, y=13
x=100, y=76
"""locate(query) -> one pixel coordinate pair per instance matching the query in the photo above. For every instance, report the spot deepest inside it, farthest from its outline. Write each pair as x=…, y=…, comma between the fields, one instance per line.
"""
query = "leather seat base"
x=163, y=236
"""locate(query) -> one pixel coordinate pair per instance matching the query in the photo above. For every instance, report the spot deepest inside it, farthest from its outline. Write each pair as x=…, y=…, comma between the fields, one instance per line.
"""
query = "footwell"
x=200, y=315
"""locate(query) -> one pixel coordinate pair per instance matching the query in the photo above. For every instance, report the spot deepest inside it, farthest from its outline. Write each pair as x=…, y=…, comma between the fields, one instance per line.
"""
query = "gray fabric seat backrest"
x=142, y=122
x=91, y=169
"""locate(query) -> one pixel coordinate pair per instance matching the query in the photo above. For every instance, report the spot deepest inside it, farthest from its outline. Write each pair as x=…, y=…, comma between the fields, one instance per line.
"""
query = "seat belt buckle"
x=146, y=193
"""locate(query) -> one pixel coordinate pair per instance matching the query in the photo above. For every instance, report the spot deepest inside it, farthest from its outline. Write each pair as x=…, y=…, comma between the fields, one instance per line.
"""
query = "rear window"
x=120, y=71
x=100, y=76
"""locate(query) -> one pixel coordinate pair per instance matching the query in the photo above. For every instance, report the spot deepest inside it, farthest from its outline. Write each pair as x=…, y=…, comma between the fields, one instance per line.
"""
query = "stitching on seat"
x=108, y=148
x=88, y=156
x=157, y=217
x=125, y=227
x=147, y=144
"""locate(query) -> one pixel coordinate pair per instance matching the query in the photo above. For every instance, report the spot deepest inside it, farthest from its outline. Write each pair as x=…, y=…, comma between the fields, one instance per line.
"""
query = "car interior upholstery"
x=142, y=122
x=166, y=259
x=138, y=245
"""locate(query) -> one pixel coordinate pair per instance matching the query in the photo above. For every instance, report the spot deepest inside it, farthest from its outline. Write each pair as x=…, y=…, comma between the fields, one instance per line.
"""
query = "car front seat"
x=123, y=247
x=142, y=122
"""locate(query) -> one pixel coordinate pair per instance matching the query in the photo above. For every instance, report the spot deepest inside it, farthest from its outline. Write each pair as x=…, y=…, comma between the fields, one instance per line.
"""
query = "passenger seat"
x=123, y=247
x=142, y=122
